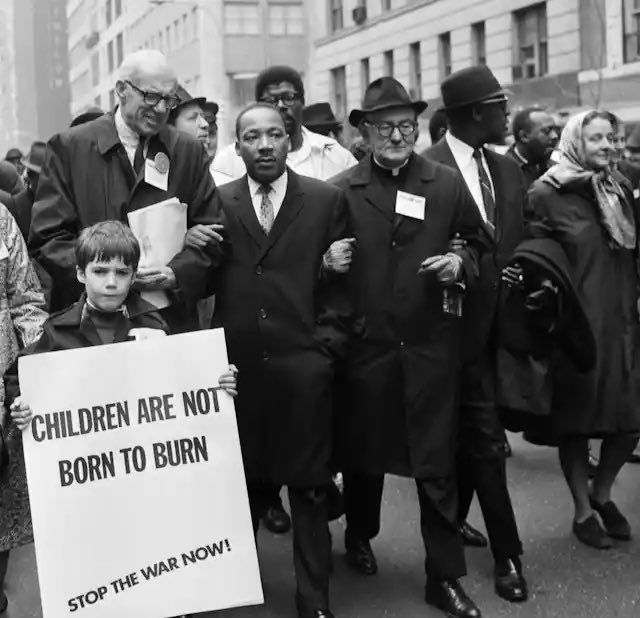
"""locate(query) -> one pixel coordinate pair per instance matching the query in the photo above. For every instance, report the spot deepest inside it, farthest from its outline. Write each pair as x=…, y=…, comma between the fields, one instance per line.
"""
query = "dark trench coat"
x=283, y=328
x=87, y=178
x=398, y=387
x=605, y=400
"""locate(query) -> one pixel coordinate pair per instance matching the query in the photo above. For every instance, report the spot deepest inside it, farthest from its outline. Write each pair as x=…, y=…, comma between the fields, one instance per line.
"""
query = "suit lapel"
x=291, y=206
x=245, y=212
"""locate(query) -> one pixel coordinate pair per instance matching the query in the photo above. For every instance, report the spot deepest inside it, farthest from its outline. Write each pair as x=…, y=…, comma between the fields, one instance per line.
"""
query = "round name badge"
x=161, y=163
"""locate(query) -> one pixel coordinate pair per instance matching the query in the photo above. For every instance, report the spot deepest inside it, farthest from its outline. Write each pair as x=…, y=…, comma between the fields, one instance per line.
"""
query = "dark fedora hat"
x=184, y=99
x=35, y=158
x=13, y=153
x=87, y=116
x=471, y=85
x=384, y=93
x=211, y=107
x=319, y=117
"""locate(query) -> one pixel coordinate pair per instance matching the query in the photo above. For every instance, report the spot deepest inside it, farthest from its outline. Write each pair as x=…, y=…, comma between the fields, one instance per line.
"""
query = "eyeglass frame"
x=166, y=98
x=275, y=99
x=394, y=126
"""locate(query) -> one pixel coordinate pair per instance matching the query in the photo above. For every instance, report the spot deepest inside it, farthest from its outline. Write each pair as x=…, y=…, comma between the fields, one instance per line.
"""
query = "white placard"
x=136, y=516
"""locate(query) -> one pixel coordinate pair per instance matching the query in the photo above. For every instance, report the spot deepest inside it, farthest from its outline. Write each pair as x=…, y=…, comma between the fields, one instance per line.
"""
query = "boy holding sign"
x=107, y=256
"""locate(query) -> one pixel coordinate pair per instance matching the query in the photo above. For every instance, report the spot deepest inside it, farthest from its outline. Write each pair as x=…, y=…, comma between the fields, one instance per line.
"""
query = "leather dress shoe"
x=510, y=584
x=318, y=613
x=449, y=596
x=360, y=557
x=472, y=537
x=277, y=520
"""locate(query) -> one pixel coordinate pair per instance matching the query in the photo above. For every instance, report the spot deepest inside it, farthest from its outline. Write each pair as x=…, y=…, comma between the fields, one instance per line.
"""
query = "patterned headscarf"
x=615, y=211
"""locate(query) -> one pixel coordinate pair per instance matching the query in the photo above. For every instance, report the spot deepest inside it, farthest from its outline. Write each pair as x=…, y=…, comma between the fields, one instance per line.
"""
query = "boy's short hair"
x=105, y=241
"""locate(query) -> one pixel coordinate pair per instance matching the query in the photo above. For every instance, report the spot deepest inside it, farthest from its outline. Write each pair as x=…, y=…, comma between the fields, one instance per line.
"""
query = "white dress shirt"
x=463, y=154
x=319, y=157
x=276, y=195
x=129, y=138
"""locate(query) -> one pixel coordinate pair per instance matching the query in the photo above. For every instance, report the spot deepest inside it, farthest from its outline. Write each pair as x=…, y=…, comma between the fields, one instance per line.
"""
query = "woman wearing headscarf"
x=22, y=317
x=588, y=208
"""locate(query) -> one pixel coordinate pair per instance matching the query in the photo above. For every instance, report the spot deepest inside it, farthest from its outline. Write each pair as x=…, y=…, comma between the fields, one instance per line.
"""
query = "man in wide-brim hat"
x=319, y=118
x=477, y=114
x=397, y=392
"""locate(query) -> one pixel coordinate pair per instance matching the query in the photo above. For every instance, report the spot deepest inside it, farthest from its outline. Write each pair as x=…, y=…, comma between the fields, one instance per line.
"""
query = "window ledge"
x=371, y=22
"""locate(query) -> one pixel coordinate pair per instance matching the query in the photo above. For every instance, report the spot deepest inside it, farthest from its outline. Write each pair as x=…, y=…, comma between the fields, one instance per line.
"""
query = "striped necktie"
x=485, y=186
x=266, y=209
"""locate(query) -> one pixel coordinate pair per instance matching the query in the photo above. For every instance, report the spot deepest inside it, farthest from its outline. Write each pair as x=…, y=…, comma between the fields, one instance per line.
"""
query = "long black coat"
x=87, y=178
x=481, y=301
x=282, y=329
x=399, y=384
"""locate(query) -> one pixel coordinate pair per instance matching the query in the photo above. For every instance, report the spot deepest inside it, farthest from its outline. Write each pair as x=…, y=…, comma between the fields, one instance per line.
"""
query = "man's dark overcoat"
x=87, y=178
x=399, y=383
x=282, y=321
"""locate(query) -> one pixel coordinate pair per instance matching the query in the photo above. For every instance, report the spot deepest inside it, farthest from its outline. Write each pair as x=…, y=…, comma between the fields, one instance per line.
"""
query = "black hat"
x=210, y=106
x=36, y=157
x=633, y=141
x=319, y=117
x=13, y=153
x=91, y=114
x=471, y=85
x=384, y=93
x=184, y=98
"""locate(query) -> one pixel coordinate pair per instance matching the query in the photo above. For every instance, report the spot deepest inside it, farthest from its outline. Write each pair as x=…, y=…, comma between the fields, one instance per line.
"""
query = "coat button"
x=263, y=313
x=402, y=344
x=265, y=356
x=495, y=285
x=258, y=270
x=394, y=244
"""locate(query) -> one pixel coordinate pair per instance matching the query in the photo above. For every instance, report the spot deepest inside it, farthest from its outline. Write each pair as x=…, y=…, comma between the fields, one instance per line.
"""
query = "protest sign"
x=137, y=489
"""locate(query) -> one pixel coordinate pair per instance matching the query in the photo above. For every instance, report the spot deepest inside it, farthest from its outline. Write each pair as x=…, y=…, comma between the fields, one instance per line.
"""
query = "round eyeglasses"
x=386, y=129
x=153, y=98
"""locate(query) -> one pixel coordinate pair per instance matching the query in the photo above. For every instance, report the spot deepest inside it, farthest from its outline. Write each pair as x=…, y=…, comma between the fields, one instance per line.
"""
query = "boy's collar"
x=72, y=316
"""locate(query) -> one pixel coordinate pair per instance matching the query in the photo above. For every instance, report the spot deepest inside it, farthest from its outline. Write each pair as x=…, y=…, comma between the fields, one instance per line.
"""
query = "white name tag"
x=636, y=194
x=410, y=205
x=155, y=178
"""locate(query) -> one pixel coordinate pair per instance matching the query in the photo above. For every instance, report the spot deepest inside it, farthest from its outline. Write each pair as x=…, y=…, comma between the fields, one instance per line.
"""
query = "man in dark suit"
x=282, y=316
x=476, y=108
x=398, y=386
x=117, y=164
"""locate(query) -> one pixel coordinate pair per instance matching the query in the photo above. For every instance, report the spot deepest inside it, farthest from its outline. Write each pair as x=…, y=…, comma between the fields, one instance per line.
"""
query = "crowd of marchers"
x=390, y=312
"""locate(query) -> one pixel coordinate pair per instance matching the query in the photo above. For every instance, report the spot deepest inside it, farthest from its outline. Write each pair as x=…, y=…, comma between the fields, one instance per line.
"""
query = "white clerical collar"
x=394, y=170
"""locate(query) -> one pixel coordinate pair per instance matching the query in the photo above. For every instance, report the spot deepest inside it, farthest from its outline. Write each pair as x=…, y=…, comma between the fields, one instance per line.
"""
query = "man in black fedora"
x=319, y=118
x=398, y=387
x=476, y=108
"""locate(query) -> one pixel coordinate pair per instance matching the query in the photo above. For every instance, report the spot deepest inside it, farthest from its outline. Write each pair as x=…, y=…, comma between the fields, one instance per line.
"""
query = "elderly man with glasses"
x=310, y=154
x=119, y=163
x=398, y=389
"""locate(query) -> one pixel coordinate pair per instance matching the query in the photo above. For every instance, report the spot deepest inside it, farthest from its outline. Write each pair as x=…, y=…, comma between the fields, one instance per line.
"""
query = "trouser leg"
x=362, y=504
x=440, y=530
x=259, y=497
x=311, y=548
x=466, y=487
x=4, y=563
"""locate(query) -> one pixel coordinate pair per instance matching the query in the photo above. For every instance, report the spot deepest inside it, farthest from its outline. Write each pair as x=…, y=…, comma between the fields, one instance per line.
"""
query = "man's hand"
x=200, y=236
x=162, y=278
x=339, y=255
x=513, y=276
x=457, y=244
x=446, y=267
x=21, y=413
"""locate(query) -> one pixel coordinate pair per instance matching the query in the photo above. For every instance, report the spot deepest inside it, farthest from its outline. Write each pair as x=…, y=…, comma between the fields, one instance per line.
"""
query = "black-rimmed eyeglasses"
x=288, y=98
x=386, y=129
x=153, y=98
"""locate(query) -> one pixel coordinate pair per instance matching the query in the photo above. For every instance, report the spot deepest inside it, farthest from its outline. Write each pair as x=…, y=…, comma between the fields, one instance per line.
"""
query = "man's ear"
x=522, y=136
x=237, y=147
x=121, y=91
x=476, y=114
x=80, y=275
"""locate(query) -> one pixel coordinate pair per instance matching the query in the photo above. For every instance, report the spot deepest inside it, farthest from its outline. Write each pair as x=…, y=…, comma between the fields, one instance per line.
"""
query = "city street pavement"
x=566, y=578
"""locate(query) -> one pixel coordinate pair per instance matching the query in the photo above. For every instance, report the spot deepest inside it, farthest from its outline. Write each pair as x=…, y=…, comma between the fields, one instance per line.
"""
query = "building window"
x=119, y=49
x=168, y=38
x=241, y=18
x=631, y=30
x=108, y=12
x=194, y=22
x=161, y=41
x=242, y=90
x=479, y=44
x=110, y=64
x=118, y=8
x=176, y=33
x=387, y=63
x=185, y=28
x=95, y=69
x=339, y=91
x=365, y=75
x=336, y=15
x=386, y=5
x=444, y=54
x=286, y=19
x=415, y=71
x=97, y=101
x=530, y=42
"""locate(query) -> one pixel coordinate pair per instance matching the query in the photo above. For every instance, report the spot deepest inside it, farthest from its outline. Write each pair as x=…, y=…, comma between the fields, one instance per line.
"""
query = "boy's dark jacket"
x=70, y=329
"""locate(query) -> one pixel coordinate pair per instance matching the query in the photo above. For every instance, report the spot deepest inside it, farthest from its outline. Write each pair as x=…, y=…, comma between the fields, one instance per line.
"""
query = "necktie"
x=138, y=159
x=266, y=209
x=485, y=186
